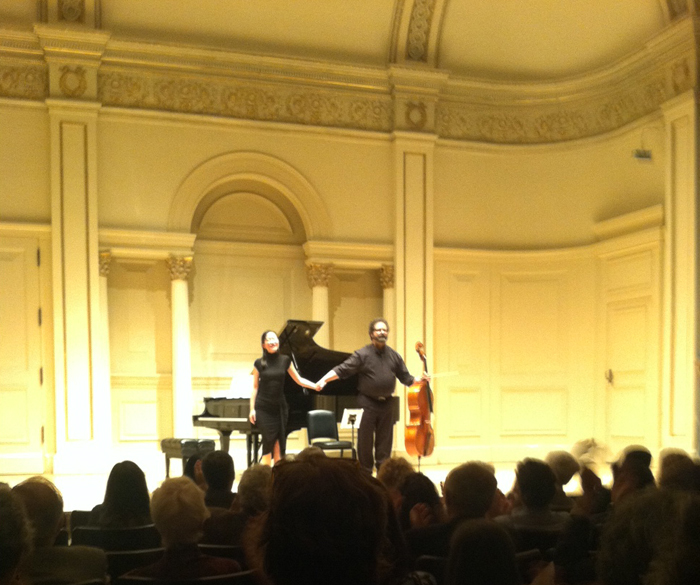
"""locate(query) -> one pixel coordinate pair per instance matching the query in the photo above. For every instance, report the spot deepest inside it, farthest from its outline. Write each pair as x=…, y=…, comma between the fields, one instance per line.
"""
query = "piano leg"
x=224, y=437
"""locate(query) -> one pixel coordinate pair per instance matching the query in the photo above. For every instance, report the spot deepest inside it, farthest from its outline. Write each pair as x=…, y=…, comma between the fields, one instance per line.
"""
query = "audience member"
x=126, y=501
x=219, y=474
x=327, y=524
x=43, y=505
x=469, y=493
x=481, y=553
x=678, y=471
x=392, y=474
x=565, y=466
x=178, y=511
x=253, y=498
x=15, y=542
x=309, y=452
x=420, y=503
x=193, y=470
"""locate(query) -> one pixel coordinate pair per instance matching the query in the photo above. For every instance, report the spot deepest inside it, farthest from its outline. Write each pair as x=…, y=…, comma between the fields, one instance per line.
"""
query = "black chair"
x=228, y=551
x=322, y=431
x=123, y=561
x=114, y=539
x=242, y=578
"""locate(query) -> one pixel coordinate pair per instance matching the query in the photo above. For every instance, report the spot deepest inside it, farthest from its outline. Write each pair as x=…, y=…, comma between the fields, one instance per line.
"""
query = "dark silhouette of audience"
x=420, y=503
x=126, y=501
x=219, y=474
x=49, y=564
x=327, y=523
x=193, y=470
x=179, y=512
x=481, y=553
x=15, y=541
x=469, y=492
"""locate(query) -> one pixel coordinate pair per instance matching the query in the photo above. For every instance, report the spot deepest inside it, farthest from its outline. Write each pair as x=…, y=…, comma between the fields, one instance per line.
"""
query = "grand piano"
x=312, y=361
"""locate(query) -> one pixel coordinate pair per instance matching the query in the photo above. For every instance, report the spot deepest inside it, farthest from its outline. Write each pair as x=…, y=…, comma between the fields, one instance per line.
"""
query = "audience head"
x=469, y=490
x=43, y=505
x=678, y=471
x=564, y=465
x=418, y=489
x=218, y=470
x=536, y=483
x=392, y=474
x=193, y=470
x=126, y=496
x=631, y=474
x=481, y=553
x=178, y=511
x=327, y=523
x=254, y=489
x=309, y=452
x=15, y=542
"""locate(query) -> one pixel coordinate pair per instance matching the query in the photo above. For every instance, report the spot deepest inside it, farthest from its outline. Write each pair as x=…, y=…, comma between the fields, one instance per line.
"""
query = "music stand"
x=351, y=417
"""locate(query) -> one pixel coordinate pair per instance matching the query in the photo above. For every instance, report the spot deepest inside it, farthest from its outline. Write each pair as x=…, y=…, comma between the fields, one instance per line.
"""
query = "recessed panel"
x=533, y=411
x=463, y=415
x=531, y=328
x=14, y=422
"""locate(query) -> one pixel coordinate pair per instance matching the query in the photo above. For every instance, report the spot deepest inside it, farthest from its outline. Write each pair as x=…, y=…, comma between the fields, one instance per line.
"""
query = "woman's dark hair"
x=266, y=354
x=416, y=489
x=126, y=500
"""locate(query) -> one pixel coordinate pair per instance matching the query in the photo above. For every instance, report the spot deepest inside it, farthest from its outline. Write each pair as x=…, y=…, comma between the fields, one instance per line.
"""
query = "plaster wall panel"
x=24, y=164
x=542, y=197
x=143, y=162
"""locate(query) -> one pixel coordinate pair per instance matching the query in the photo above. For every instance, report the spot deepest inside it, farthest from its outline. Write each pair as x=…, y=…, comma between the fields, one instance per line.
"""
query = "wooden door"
x=21, y=395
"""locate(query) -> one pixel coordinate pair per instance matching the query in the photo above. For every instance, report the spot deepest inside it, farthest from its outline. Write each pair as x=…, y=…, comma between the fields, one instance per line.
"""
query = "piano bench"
x=184, y=449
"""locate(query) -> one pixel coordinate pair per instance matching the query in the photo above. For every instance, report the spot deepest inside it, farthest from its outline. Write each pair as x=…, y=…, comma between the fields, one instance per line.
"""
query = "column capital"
x=319, y=274
x=179, y=267
x=386, y=276
x=105, y=261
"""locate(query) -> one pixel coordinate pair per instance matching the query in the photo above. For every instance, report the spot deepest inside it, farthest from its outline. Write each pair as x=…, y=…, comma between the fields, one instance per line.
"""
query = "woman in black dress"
x=268, y=406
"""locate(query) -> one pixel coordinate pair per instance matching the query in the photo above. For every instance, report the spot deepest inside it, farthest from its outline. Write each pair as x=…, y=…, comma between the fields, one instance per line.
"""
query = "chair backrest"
x=113, y=539
x=321, y=424
x=123, y=561
x=434, y=565
x=79, y=518
x=227, y=551
x=242, y=578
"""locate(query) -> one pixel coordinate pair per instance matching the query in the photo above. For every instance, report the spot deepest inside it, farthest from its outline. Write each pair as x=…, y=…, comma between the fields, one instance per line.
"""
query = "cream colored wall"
x=543, y=197
x=143, y=159
x=526, y=339
x=24, y=163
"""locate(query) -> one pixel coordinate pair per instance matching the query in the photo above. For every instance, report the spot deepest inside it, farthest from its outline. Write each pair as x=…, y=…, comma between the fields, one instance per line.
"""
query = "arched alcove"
x=249, y=196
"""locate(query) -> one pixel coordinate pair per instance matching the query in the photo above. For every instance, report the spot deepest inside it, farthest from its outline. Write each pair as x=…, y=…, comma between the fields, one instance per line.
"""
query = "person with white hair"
x=179, y=512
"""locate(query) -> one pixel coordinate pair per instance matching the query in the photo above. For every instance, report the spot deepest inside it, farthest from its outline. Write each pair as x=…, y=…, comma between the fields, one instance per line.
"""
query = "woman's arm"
x=253, y=394
x=298, y=379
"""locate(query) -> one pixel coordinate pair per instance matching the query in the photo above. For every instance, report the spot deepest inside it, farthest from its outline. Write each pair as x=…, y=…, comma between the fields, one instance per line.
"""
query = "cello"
x=419, y=436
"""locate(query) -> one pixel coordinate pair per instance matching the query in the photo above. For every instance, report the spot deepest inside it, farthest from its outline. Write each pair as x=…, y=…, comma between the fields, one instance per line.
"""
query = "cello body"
x=419, y=436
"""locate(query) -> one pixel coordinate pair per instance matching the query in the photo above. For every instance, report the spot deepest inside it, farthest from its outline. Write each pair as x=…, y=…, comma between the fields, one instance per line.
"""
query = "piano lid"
x=311, y=360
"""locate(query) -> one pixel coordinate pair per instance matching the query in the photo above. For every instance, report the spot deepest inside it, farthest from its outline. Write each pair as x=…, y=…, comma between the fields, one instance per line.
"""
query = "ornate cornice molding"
x=409, y=96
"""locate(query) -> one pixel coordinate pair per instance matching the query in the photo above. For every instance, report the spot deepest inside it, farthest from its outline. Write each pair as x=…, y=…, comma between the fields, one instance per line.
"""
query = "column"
x=319, y=277
x=386, y=278
x=180, y=267
x=680, y=311
x=103, y=396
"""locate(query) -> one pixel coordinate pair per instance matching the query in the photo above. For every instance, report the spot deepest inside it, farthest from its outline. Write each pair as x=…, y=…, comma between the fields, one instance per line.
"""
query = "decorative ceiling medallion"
x=72, y=82
x=416, y=115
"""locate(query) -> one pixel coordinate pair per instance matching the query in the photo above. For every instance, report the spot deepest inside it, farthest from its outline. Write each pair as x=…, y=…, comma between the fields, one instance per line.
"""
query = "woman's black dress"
x=271, y=409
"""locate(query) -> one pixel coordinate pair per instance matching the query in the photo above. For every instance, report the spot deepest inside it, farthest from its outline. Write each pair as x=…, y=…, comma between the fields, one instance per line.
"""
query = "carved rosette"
x=386, y=276
x=419, y=30
x=319, y=274
x=105, y=260
x=179, y=267
x=71, y=10
x=73, y=81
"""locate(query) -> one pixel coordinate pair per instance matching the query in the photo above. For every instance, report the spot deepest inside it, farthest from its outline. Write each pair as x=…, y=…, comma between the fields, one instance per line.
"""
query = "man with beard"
x=377, y=366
